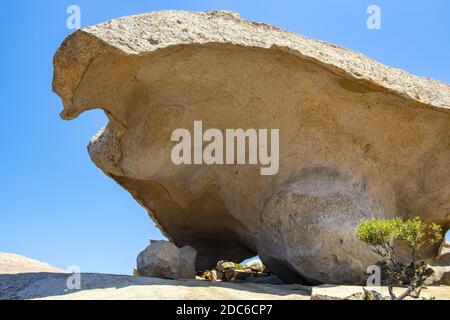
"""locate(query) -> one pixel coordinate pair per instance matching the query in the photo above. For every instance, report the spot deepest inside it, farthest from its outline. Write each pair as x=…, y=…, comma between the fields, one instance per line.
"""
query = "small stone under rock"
x=233, y=272
x=255, y=265
x=224, y=265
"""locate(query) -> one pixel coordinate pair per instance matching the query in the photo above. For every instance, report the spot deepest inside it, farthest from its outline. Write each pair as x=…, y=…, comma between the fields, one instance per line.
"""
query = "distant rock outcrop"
x=357, y=138
x=14, y=264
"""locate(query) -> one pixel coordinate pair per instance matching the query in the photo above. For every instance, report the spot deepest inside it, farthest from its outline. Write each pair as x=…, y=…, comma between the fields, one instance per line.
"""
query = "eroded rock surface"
x=357, y=138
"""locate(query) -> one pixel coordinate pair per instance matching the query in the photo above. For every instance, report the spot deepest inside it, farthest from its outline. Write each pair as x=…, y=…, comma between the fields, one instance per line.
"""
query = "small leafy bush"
x=238, y=266
x=381, y=234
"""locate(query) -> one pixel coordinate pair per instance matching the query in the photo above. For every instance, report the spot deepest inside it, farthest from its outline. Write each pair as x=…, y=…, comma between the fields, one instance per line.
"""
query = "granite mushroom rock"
x=163, y=259
x=356, y=138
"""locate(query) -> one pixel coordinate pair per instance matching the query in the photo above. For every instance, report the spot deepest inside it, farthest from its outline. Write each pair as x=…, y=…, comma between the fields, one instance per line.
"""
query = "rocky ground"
x=103, y=286
x=37, y=280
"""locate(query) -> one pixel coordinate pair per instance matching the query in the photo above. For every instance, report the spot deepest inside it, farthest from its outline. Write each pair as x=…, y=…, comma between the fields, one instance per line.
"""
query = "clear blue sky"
x=55, y=205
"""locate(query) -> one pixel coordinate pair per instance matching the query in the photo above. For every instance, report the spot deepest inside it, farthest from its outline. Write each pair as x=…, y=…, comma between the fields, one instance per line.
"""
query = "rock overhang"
x=150, y=32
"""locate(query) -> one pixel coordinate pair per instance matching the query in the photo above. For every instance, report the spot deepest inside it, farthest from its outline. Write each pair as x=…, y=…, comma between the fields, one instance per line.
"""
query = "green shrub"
x=238, y=266
x=381, y=234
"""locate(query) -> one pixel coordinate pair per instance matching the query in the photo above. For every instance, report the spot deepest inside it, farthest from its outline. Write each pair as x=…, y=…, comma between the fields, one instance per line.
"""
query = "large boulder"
x=357, y=139
x=163, y=259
